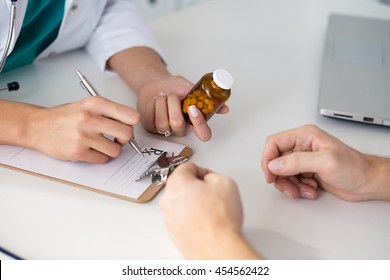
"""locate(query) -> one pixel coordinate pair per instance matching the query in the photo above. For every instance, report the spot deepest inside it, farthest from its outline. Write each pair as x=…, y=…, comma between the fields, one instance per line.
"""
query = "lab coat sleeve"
x=120, y=27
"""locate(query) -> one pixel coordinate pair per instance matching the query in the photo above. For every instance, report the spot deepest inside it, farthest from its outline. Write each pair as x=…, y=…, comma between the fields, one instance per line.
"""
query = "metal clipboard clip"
x=160, y=169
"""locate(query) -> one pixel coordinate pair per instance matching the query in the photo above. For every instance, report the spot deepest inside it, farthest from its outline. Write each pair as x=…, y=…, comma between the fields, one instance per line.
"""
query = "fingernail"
x=307, y=195
x=276, y=165
x=193, y=111
x=288, y=194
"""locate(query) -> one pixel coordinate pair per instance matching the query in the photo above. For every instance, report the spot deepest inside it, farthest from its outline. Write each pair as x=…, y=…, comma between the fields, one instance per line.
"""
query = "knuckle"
x=148, y=122
x=96, y=101
x=313, y=129
x=136, y=116
x=102, y=159
x=226, y=181
x=76, y=152
x=295, y=159
x=83, y=118
x=177, y=123
x=268, y=139
x=125, y=135
x=116, y=150
x=128, y=134
x=162, y=124
x=205, y=135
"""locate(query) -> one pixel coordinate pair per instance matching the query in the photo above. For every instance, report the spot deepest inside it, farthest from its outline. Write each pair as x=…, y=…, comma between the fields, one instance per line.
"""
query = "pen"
x=91, y=90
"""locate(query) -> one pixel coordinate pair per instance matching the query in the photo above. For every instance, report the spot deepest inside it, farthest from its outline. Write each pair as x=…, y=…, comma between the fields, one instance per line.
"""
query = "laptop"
x=355, y=74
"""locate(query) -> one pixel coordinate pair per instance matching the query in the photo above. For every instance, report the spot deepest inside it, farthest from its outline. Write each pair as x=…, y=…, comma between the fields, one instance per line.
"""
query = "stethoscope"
x=13, y=85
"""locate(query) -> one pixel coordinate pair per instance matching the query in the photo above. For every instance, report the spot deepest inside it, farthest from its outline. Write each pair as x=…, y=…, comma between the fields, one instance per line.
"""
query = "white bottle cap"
x=223, y=79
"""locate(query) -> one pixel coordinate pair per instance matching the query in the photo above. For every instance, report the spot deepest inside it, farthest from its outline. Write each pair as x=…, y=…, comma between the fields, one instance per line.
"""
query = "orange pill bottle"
x=208, y=94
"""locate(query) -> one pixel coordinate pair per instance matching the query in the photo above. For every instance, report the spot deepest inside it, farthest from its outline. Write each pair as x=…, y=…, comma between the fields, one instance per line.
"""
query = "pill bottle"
x=208, y=94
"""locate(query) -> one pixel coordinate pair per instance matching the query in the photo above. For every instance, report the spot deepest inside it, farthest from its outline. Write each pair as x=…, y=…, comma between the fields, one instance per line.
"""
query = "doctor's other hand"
x=300, y=160
x=159, y=104
x=77, y=131
x=159, y=93
x=203, y=214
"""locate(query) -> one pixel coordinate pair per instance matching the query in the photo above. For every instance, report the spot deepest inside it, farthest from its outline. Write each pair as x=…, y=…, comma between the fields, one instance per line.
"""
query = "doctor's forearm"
x=138, y=66
x=14, y=122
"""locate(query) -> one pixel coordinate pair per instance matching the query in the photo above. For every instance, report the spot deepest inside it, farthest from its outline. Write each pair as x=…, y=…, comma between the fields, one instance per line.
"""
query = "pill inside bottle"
x=208, y=94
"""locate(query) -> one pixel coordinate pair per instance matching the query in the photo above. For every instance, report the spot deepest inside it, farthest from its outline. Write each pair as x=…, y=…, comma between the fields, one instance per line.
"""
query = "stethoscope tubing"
x=9, y=36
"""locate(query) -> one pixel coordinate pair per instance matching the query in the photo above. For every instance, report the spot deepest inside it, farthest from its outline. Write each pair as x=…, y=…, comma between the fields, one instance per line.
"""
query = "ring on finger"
x=165, y=133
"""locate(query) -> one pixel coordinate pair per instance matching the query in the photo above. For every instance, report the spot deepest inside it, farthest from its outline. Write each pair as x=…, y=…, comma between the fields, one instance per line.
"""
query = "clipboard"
x=116, y=178
x=7, y=255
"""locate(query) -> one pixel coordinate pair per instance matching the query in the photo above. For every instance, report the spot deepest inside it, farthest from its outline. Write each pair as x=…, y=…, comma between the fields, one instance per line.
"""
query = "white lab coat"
x=103, y=27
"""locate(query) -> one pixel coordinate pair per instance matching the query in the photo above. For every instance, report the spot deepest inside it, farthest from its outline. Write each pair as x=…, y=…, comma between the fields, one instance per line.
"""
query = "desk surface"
x=273, y=48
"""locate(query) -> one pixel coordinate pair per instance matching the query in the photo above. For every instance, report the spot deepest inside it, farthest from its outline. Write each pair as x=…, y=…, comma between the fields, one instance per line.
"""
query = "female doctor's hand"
x=159, y=104
x=76, y=131
x=159, y=93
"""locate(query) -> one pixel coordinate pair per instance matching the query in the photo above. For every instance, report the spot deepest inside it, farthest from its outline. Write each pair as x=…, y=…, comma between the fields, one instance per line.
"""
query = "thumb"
x=295, y=163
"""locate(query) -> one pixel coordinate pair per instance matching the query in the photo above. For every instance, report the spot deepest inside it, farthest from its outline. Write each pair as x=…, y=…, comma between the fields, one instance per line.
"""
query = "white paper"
x=117, y=176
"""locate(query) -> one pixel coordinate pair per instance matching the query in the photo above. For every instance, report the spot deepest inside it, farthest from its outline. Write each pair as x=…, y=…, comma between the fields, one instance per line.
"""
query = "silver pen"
x=91, y=90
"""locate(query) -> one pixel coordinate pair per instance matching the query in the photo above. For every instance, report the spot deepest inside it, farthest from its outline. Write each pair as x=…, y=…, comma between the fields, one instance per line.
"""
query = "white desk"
x=273, y=48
